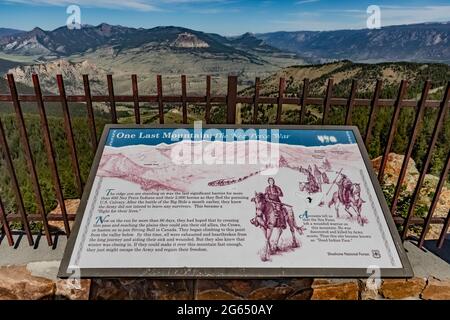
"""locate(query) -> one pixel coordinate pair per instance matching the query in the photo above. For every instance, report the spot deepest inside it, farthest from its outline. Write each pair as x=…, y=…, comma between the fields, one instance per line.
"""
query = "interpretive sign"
x=228, y=201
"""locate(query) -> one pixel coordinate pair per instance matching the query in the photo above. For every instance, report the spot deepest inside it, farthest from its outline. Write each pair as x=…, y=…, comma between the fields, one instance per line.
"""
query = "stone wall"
x=273, y=289
x=24, y=283
x=19, y=283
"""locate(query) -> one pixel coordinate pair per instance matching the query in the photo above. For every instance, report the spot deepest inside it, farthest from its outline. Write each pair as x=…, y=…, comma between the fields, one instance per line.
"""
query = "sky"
x=226, y=17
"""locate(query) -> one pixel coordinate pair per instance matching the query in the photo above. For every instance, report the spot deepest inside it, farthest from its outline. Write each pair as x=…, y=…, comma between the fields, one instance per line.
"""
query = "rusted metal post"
x=443, y=234
x=435, y=200
x=373, y=112
x=5, y=223
x=208, y=100
x=134, y=86
x=351, y=102
x=29, y=157
x=112, y=100
x=437, y=128
x=183, y=98
x=15, y=184
x=392, y=129
x=256, y=100
x=409, y=149
x=50, y=152
x=231, y=99
x=281, y=89
x=303, y=99
x=90, y=112
x=69, y=134
x=327, y=102
x=159, y=90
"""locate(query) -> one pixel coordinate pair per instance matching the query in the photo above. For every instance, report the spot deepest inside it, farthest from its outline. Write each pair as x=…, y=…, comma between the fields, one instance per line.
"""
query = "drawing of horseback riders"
x=318, y=176
x=273, y=193
x=311, y=185
x=272, y=214
x=348, y=196
x=325, y=179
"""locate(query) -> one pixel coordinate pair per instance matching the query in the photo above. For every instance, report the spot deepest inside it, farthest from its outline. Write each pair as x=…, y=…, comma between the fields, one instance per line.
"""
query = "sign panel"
x=233, y=202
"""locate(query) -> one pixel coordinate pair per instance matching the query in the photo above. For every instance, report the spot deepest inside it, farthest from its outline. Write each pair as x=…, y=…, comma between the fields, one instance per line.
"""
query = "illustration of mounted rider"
x=273, y=214
x=273, y=194
x=348, y=196
x=314, y=180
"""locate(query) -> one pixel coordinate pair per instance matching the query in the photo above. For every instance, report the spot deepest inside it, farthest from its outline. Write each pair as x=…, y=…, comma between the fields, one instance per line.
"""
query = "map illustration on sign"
x=183, y=202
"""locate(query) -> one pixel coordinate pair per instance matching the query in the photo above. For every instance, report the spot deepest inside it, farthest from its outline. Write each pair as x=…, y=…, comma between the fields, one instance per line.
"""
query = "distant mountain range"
x=121, y=51
x=172, y=51
x=63, y=42
x=426, y=42
x=9, y=32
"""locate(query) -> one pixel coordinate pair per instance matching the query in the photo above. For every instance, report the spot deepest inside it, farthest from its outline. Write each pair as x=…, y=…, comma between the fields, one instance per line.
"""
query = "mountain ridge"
x=423, y=42
x=62, y=42
x=8, y=32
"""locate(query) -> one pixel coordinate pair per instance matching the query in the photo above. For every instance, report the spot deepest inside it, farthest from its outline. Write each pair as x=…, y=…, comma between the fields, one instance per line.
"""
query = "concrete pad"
x=444, y=252
x=22, y=254
x=425, y=263
x=44, y=269
x=43, y=260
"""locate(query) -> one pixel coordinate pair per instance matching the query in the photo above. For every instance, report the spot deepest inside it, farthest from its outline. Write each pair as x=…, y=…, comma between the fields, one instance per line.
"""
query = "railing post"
x=112, y=100
x=409, y=149
x=327, y=101
x=50, y=152
x=231, y=99
x=392, y=129
x=351, y=102
x=69, y=134
x=159, y=90
x=373, y=112
x=134, y=88
x=29, y=157
x=15, y=184
x=255, y=100
x=437, y=129
x=90, y=112
x=4, y=221
x=281, y=89
x=303, y=99
x=208, y=100
x=443, y=234
x=434, y=202
x=183, y=99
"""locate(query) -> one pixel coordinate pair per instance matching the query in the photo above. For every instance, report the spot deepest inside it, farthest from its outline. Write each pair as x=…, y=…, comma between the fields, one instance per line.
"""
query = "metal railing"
x=231, y=100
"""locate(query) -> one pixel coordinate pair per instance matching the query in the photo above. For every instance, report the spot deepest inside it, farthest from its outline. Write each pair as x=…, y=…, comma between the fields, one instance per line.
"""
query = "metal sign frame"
x=220, y=273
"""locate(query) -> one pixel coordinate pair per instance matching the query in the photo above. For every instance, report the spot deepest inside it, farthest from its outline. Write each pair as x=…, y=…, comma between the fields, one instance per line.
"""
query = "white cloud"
x=214, y=10
x=391, y=15
x=306, y=1
x=140, y=5
x=334, y=19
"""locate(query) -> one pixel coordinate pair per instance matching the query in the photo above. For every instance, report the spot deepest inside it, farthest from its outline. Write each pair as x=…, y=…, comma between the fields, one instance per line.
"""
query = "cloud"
x=306, y=1
x=214, y=10
x=192, y=1
x=396, y=15
x=335, y=19
x=139, y=5
x=407, y=15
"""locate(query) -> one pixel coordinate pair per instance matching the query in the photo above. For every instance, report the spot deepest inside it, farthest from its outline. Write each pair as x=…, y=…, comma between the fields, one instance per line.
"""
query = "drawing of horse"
x=350, y=198
x=268, y=218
